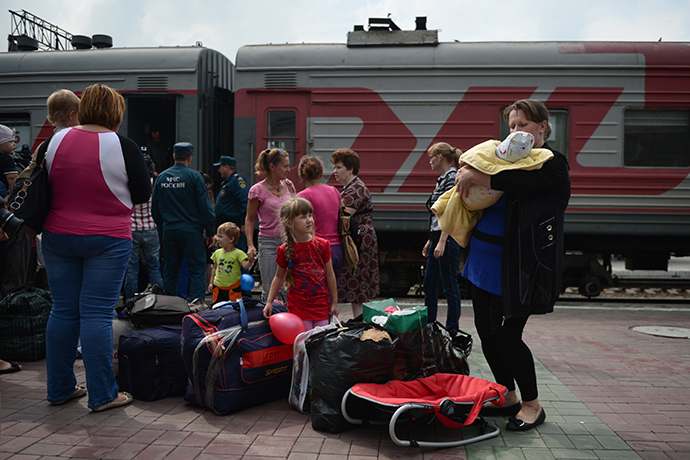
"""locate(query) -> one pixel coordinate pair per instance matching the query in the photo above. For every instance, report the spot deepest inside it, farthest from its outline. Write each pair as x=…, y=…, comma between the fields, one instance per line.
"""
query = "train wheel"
x=590, y=287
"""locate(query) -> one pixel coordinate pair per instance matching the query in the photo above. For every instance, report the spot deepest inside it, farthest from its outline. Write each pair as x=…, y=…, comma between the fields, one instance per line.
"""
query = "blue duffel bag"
x=150, y=363
x=232, y=358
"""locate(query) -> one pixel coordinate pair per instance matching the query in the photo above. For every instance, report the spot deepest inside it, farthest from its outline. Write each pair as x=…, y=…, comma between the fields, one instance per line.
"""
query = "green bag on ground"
x=23, y=318
x=406, y=319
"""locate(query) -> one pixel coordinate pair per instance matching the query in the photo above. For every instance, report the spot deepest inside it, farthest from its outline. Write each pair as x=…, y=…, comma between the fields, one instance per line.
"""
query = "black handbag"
x=31, y=196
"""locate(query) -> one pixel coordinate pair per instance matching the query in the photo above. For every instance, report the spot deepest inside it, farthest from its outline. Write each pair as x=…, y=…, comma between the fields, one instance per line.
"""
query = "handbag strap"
x=40, y=155
x=290, y=187
x=37, y=161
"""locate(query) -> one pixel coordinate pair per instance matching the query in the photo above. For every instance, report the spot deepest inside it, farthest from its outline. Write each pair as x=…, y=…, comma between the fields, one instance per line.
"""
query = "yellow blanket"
x=458, y=216
x=483, y=158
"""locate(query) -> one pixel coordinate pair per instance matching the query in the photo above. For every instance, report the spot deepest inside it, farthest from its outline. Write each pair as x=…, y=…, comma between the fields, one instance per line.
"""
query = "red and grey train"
x=619, y=110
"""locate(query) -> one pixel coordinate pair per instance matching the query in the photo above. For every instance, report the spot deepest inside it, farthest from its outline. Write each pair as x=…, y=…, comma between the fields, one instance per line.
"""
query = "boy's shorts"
x=222, y=294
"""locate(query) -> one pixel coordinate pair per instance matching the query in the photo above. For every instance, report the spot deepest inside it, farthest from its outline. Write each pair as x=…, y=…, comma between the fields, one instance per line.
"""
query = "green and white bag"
x=398, y=320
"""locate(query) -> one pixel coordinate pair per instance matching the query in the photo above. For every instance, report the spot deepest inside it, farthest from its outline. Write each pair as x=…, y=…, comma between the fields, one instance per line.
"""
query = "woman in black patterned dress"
x=361, y=284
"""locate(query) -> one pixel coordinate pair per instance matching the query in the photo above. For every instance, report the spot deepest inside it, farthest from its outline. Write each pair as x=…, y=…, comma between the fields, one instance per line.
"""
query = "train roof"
x=110, y=60
x=475, y=54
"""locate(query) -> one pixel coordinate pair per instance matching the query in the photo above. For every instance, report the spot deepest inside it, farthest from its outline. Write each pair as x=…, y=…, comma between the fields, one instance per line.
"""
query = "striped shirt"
x=141, y=216
x=443, y=184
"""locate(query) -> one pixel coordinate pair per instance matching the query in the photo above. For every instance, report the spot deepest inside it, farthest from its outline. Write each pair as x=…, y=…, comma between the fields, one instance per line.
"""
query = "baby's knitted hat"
x=6, y=134
x=516, y=146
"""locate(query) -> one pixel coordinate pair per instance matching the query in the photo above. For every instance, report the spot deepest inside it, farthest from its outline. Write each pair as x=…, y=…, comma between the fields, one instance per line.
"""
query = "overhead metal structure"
x=29, y=32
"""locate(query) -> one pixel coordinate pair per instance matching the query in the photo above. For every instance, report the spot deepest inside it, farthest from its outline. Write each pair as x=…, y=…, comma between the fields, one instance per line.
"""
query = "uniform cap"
x=183, y=149
x=226, y=160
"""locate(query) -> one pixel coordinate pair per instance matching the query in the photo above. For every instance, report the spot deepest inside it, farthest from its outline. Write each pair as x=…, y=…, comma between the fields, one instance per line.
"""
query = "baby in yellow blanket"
x=517, y=146
x=458, y=215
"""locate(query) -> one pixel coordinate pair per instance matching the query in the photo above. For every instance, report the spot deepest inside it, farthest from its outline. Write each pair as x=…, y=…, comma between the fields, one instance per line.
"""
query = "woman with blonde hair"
x=96, y=176
x=441, y=251
x=265, y=199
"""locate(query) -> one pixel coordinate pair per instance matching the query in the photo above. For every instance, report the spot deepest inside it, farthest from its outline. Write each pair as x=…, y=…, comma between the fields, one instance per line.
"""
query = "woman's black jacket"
x=533, y=249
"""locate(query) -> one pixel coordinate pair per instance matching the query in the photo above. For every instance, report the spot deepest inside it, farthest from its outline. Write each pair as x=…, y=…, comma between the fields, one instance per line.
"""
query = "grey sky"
x=227, y=25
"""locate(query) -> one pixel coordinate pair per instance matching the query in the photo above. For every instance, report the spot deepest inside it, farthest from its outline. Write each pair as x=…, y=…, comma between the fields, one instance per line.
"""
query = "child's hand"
x=210, y=287
x=268, y=309
x=334, y=310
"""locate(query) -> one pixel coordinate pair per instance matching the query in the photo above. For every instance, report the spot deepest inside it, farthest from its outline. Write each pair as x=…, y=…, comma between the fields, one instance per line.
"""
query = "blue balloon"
x=247, y=282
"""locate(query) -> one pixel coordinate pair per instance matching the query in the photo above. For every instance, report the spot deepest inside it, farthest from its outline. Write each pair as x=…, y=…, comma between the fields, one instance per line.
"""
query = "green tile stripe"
x=571, y=430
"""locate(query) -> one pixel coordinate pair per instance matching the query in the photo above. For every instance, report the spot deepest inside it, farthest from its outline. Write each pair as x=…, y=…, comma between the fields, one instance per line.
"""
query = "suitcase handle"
x=244, y=321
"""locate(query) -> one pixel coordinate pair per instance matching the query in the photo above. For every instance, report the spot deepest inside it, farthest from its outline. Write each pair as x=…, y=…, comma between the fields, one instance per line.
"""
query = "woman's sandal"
x=78, y=393
x=14, y=367
x=115, y=403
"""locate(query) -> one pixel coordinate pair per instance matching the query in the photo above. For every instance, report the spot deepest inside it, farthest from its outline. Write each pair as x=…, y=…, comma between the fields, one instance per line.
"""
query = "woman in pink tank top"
x=96, y=178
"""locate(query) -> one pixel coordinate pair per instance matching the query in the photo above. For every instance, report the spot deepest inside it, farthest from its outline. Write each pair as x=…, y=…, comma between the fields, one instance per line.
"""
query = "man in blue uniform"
x=231, y=204
x=182, y=208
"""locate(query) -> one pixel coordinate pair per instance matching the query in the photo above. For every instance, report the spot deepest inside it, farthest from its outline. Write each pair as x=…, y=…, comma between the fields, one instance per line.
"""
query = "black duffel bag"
x=157, y=309
x=339, y=359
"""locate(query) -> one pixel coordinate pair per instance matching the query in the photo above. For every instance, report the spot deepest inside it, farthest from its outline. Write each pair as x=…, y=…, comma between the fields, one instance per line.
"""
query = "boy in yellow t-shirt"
x=227, y=261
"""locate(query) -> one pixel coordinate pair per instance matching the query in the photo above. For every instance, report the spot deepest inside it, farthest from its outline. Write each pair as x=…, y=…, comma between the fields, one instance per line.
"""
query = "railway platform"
x=609, y=393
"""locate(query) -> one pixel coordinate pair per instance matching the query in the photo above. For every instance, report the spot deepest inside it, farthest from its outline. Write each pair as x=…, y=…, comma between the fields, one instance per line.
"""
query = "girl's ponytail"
x=289, y=210
x=289, y=256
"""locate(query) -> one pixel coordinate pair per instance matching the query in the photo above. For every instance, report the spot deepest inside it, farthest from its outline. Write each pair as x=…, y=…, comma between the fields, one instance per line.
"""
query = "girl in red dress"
x=304, y=264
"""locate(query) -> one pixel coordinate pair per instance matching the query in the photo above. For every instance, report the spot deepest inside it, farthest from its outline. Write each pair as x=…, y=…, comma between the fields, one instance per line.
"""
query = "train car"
x=620, y=111
x=185, y=92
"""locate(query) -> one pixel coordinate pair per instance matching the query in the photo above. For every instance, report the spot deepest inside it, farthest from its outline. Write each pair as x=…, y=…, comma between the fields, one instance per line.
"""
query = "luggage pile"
x=225, y=358
x=228, y=359
x=401, y=347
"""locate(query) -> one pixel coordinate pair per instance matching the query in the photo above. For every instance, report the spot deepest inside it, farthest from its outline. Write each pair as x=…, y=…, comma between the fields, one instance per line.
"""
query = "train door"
x=281, y=121
x=148, y=113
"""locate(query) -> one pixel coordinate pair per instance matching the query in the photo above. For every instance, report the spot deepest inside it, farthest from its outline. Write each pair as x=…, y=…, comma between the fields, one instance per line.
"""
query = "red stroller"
x=455, y=400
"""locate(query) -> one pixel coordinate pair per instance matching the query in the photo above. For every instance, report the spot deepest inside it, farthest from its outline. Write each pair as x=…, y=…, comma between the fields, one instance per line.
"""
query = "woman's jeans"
x=85, y=274
x=445, y=268
x=268, y=249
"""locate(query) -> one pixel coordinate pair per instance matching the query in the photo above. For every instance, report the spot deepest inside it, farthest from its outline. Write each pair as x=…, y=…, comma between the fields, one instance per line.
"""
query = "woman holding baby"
x=514, y=262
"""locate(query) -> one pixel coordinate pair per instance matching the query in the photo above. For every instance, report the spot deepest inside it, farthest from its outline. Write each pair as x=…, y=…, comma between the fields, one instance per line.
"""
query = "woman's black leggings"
x=508, y=356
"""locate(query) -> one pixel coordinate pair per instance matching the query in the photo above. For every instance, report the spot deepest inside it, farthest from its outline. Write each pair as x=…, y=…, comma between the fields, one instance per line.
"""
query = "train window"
x=282, y=131
x=657, y=138
x=558, y=140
